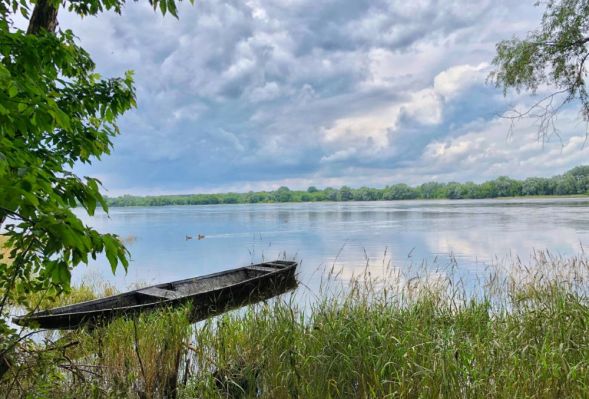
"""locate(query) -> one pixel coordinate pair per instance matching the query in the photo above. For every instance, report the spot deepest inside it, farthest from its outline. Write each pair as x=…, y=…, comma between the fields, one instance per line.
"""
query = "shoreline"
x=573, y=183
x=555, y=197
x=402, y=337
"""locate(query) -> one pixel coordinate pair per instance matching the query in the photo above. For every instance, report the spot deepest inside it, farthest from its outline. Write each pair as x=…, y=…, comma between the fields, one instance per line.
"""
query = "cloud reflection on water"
x=466, y=235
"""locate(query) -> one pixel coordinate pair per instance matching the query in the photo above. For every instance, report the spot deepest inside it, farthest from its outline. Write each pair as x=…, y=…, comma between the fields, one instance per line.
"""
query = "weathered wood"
x=262, y=268
x=158, y=292
x=274, y=264
x=207, y=296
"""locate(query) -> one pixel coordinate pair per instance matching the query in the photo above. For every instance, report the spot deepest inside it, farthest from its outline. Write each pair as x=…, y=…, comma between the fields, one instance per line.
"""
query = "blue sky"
x=254, y=94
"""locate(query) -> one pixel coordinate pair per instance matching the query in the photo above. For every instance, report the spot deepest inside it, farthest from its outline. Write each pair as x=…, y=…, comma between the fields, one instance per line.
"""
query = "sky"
x=240, y=95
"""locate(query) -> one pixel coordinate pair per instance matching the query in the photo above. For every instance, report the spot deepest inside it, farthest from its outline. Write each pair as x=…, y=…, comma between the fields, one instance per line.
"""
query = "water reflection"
x=470, y=233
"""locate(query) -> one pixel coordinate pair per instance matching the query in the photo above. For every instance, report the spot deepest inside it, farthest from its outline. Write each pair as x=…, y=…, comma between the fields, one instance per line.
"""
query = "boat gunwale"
x=33, y=317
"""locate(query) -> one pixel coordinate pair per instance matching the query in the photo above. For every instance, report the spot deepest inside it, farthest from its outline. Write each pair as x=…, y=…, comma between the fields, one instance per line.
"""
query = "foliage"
x=55, y=112
x=362, y=350
x=407, y=336
x=127, y=358
x=403, y=334
x=573, y=182
x=554, y=55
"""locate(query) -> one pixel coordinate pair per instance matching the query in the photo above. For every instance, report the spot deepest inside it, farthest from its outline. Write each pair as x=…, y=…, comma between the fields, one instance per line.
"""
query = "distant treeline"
x=573, y=182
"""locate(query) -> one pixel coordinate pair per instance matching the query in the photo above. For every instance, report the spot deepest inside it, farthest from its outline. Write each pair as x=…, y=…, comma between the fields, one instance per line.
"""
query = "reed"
x=522, y=334
x=140, y=355
x=136, y=357
x=386, y=333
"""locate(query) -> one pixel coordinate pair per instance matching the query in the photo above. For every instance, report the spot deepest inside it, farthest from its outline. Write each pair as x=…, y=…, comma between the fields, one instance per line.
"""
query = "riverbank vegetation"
x=388, y=333
x=573, y=182
x=56, y=112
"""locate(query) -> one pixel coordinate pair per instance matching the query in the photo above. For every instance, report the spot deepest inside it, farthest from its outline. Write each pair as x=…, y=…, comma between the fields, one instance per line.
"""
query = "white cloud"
x=450, y=82
x=425, y=107
x=267, y=92
x=370, y=128
x=483, y=150
x=338, y=156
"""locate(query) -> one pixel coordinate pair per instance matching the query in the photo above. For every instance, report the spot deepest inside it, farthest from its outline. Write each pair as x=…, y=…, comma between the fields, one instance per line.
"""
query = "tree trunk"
x=44, y=17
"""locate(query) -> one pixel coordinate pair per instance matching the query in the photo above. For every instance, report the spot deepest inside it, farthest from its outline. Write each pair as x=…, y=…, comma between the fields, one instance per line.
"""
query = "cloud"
x=339, y=156
x=380, y=128
x=264, y=93
x=452, y=81
x=483, y=150
x=425, y=107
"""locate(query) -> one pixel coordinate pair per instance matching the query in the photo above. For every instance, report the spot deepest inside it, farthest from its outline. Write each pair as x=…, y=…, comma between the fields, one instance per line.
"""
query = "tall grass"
x=522, y=333
x=137, y=357
x=530, y=341
x=141, y=355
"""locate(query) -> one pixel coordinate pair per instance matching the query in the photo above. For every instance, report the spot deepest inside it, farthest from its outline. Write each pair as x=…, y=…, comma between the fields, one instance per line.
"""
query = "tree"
x=566, y=185
x=554, y=55
x=506, y=187
x=345, y=194
x=431, y=190
x=399, y=192
x=366, y=194
x=471, y=190
x=533, y=186
x=488, y=189
x=283, y=194
x=454, y=190
x=231, y=198
x=330, y=194
x=55, y=111
x=580, y=175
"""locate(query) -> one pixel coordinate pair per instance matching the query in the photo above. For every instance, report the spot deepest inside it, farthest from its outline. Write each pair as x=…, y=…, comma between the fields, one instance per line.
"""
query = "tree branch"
x=544, y=110
x=579, y=42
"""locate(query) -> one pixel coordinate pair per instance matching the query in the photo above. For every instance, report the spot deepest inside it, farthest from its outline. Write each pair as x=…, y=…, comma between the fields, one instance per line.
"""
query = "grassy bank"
x=522, y=334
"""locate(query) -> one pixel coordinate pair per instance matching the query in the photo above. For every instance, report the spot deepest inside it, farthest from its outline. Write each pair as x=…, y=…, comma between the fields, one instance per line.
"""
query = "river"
x=465, y=235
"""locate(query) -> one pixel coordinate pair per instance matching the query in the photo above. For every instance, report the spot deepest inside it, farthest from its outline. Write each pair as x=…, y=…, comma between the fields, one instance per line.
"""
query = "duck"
x=201, y=236
x=188, y=237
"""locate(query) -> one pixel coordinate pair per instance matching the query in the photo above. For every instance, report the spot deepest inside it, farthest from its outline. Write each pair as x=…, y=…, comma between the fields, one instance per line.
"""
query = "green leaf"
x=56, y=112
x=163, y=6
x=12, y=91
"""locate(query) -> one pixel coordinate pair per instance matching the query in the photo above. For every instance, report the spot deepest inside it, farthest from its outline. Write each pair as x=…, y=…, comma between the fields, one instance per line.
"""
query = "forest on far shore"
x=573, y=182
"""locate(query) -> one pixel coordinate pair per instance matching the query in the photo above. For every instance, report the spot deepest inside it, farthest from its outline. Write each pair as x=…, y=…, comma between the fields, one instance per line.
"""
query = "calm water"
x=474, y=233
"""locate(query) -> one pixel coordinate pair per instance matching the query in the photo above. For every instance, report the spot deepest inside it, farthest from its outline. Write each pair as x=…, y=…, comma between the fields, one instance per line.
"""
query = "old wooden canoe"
x=208, y=296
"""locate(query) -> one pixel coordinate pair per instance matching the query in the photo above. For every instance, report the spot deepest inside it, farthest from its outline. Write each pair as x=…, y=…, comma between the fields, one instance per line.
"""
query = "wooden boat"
x=208, y=296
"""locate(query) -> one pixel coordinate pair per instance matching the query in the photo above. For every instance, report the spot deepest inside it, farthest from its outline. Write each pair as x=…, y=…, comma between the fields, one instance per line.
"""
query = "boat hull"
x=222, y=292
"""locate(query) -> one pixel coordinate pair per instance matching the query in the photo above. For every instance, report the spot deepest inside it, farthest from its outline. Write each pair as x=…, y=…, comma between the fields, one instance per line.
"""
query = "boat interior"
x=174, y=290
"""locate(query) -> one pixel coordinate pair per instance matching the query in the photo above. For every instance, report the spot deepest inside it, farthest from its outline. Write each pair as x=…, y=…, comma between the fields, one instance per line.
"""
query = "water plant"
x=387, y=333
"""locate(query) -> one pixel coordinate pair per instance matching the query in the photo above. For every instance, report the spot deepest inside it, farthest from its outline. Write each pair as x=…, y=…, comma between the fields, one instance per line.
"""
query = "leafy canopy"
x=55, y=112
x=554, y=55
